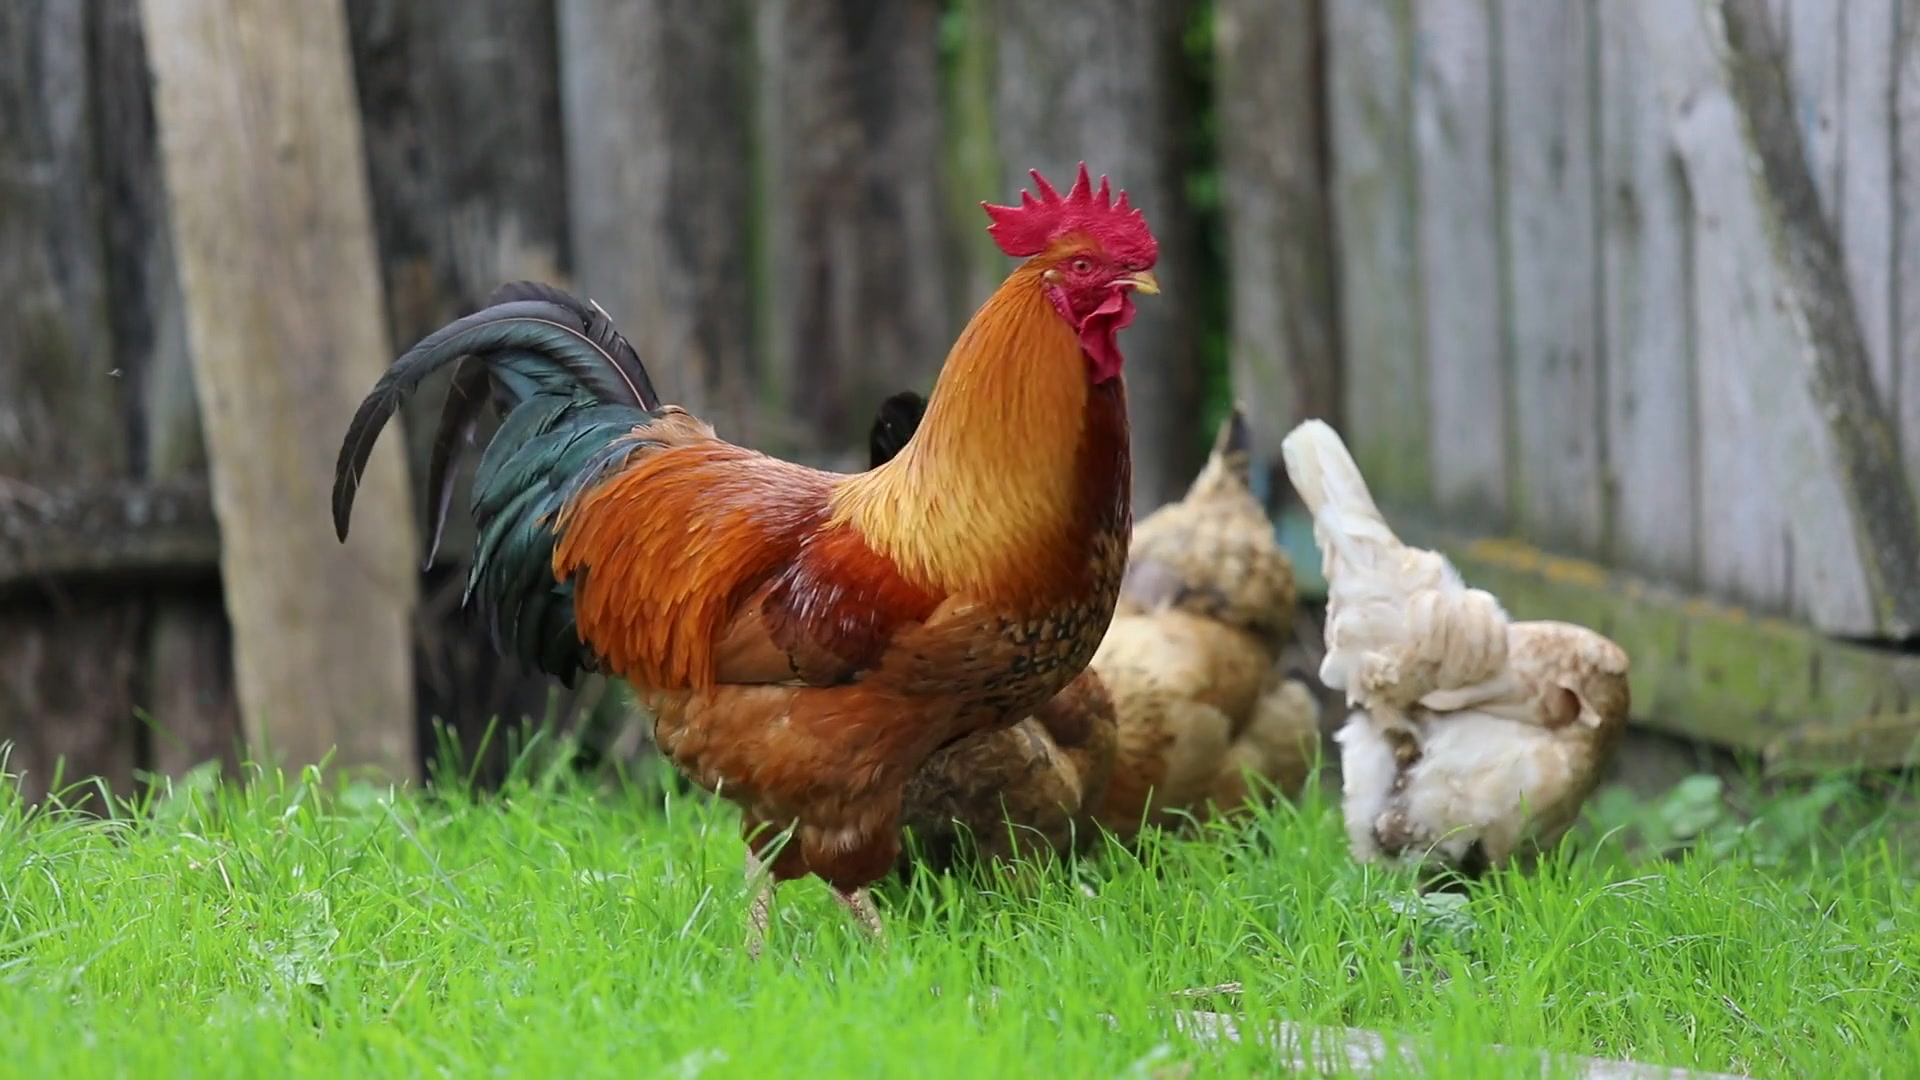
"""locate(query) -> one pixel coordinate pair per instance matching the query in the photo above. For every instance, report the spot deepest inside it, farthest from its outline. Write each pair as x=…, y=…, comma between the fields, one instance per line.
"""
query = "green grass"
x=290, y=929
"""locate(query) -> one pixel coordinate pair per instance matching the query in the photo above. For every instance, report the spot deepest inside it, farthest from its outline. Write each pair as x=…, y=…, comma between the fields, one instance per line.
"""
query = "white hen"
x=1473, y=737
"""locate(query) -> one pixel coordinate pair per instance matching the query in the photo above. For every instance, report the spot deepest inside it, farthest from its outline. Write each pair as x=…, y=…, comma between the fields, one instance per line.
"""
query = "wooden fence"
x=1636, y=280
x=219, y=220
x=1622, y=279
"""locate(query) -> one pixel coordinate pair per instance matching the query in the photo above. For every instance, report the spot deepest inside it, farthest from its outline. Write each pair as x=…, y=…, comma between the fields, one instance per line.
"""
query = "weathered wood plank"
x=461, y=106
x=1647, y=264
x=183, y=683
x=260, y=143
x=1839, y=65
x=1742, y=511
x=654, y=101
x=1864, y=459
x=1369, y=66
x=1864, y=207
x=65, y=683
x=1462, y=292
x=1360, y=1052
x=1776, y=530
x=856, y=291
x=968, y=44
x=1813, y=36
x=1279, y=256
x=1907, y=233
x=124, y=530
x=1095, y=81
x=1559, y=456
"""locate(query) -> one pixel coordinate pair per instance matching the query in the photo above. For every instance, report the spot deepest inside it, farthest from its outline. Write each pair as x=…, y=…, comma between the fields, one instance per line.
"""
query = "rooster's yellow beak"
x=1143, y=282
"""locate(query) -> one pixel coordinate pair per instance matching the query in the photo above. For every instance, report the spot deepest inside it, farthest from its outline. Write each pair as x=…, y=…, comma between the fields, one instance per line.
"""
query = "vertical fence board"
x=1095, y=81
x=1742, y=507
x=1279, y=259
x=1840, y=68
x=1907, y=233
x=858, y=303
x=1853, y=443
x=968, y=45
x=1546, y=72
x=1773, y=513
x=1462, y=306
x=184, y=676
x=1369, y=65
x=1863, y=206
x=260, y=144
x=1647, y=218
x=66, y=673
x=654, y=102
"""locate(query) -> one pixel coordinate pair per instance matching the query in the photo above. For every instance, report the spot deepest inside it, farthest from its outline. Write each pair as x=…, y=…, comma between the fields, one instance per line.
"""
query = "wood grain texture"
x=1839, y=66
x=1863, y=456
x=116, y=532
x=1463, y=292
x=1559, y=453
x=857, y=293
x=1369, y=66
x=656, y=121
x=1775, y=529
x=1285, y=352
x=1864, y=197
x=183, y=681
x=1646, y=260
x=1906, y=232
x=969, y=48
x=260, y=145
x=1094, y=81
x=66, y=682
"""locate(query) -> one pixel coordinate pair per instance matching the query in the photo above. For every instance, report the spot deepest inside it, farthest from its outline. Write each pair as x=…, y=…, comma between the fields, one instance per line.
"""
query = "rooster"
x=806, y=639
x=1474, y=739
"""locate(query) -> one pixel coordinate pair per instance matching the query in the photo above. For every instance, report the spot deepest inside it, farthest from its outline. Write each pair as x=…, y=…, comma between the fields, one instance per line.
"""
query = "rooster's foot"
x=760, y=906
x=860, y=903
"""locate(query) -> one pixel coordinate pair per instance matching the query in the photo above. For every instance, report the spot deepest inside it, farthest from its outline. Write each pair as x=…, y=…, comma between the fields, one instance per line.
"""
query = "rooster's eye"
x=1082, y=266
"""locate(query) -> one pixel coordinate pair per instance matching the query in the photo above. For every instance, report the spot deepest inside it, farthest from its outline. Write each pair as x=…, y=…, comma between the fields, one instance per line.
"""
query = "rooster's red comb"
x=1026, y=230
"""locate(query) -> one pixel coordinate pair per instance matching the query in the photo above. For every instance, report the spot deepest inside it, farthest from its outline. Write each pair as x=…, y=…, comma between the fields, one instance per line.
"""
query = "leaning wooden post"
x=261, y=151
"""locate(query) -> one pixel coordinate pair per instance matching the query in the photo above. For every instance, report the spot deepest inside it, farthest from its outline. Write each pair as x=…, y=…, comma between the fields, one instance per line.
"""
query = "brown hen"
x=1205, y=608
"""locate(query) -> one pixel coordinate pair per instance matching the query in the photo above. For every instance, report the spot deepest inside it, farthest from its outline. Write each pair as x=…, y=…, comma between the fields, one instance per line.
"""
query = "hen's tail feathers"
x=893, y=425
x=1352, y=533
x=1233, y=445
x=1329, y=482
x=532, y=339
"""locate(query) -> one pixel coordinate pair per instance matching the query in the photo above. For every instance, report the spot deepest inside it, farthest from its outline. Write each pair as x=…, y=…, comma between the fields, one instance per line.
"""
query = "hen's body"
x=806, y=639
x=1019, y=793
x=1205, y=608
x=1473, y=738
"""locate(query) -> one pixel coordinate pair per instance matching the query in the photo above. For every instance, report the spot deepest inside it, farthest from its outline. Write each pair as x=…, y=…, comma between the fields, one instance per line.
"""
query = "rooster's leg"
x=760, y=907
x=860, y=903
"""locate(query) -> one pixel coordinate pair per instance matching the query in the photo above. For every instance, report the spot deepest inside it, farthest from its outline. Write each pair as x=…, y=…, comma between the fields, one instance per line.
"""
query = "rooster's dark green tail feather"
x=570, y=390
